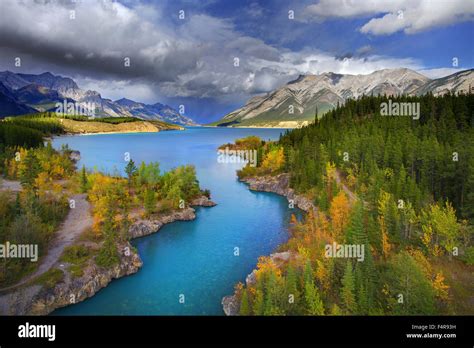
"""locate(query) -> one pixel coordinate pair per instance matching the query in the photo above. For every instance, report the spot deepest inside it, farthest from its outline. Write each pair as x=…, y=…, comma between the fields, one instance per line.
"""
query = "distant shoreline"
x=249, y=127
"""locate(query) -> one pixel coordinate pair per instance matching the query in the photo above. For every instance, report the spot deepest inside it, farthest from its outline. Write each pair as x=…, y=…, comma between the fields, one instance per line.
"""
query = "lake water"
x=195, y=258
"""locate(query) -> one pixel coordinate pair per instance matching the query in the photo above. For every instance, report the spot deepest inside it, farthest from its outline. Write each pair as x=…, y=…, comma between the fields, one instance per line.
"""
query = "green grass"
x=50, y=278
x=77, y=256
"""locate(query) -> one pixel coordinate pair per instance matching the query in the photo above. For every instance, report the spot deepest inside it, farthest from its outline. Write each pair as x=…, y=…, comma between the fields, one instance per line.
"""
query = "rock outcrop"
x=75, y=156
x=202, y=201
x=144, y=227
x=93, y=279
x=38, y=299
x=279, y=184
x=231, y=305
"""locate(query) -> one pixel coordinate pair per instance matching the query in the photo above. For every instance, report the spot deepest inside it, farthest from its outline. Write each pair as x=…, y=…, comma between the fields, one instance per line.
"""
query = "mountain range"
x=27, y=93
x=295, y=104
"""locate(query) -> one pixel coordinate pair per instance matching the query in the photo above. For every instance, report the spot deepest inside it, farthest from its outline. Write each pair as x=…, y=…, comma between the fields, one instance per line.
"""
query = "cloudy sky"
x=211, y=56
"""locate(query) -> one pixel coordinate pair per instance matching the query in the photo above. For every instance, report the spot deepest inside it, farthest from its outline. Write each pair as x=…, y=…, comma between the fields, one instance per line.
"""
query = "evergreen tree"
x=259, y=303
x=244, y=303
x=149, y=201
x=84, y=181
x=356, y=233
x=292, y=292
x=130, y=170
x=31, y=169
x=347, y=291
x=314, y=305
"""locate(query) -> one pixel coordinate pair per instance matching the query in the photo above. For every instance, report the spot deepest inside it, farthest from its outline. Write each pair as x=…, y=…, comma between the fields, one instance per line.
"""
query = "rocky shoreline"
x=278, y=184
x=145, y=227
x=230, y=303
x=37, y=299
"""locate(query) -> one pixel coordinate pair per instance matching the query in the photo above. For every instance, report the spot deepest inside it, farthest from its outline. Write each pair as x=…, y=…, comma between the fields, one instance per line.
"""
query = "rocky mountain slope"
x=9, y=104
x=149, y=111
x=297, y=102
x=42, y=92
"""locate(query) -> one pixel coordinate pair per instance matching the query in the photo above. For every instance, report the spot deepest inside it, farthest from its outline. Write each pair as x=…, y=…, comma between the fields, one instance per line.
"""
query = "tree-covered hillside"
x=401, y=188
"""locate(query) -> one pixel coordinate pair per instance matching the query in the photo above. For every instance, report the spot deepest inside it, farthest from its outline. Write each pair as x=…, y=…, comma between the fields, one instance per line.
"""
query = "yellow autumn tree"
x=323, y=275
x=293, y=219
x=273, y=160
x=383, y=205
x=339, y=212
x=330, y=171
x=440, y=287
x=265, y=265
x=98, y=198
x=14, y=165
x=43, y=184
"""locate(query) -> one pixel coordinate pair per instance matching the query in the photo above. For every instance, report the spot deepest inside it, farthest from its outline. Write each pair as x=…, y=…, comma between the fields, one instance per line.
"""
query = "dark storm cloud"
x=193, y=57
x=97, y=41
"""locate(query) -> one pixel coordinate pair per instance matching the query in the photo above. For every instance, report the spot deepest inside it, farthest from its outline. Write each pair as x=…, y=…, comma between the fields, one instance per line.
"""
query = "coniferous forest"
x=403, y=188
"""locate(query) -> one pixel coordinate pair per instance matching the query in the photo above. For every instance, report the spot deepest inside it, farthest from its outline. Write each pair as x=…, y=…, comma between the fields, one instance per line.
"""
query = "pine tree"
x=84, y=180
x=291, y=287
x=356, y=233
x=244, y=303
x=314, y=305
x=31, y=169
x=308, y=273
x=150, y=201
x=259, y=304
x=347, y=292
x=130, y=170
x=272, y=295
x=361, y=289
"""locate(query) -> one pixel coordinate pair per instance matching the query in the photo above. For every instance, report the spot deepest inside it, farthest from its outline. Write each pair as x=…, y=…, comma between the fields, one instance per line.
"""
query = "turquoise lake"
x=194, y=258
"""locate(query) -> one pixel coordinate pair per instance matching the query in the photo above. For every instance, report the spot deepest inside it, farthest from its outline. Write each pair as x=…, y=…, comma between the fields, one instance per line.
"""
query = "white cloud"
x=410, y=16
x=310, y=62
x=440, y=72
x=117, y=89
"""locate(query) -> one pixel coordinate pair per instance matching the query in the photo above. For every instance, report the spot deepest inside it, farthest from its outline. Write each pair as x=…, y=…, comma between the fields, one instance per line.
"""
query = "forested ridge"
x=414, y=186
x=29, y=130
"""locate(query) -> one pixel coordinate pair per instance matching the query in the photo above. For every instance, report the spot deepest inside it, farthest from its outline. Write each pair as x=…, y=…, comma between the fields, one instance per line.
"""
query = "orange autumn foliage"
x=440, y=286
x=339, y=213
x=266, y=265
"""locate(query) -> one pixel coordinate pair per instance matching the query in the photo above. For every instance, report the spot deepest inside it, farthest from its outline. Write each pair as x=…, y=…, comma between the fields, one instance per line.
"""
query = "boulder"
x=75, y=156
x=202, y=201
